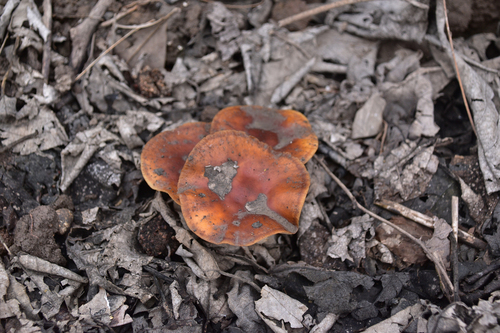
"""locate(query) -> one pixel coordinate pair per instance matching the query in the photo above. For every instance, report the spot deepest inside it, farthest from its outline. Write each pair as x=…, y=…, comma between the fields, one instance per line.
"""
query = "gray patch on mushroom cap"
x=256, y=225
x=220, y=177
x=259, y=207
x=267, y=119
x=159, y=171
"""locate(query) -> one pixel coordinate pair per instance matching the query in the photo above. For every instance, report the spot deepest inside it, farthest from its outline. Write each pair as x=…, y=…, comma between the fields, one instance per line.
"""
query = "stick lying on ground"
x=428, y=222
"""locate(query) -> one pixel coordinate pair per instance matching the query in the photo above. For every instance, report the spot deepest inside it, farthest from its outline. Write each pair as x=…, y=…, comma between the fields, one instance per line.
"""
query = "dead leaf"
x=407, y=251
x=51, y=133
x=349, y=242
x=405, y=172
x=273, y=304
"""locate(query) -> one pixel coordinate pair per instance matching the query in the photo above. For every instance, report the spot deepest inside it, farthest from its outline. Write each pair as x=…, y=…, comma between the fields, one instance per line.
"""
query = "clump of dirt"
x=34, y=234
x=150, y=83
x=157, y=238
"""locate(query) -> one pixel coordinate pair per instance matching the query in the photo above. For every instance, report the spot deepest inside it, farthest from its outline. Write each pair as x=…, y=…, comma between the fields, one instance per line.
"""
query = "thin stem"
x=466, y=103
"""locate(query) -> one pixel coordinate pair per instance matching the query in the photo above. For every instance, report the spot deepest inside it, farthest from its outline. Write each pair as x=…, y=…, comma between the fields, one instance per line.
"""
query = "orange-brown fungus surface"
x=284, y=130
x=235, y=189
x=164, y=156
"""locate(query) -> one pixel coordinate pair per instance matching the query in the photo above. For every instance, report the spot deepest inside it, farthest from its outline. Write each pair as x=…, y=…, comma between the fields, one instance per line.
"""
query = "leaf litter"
x=80, y=249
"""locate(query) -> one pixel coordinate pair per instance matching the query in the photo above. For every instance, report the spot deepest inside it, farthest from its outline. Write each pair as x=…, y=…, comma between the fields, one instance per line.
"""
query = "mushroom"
x=235, y=189
x=284, y=130
x=164, y=156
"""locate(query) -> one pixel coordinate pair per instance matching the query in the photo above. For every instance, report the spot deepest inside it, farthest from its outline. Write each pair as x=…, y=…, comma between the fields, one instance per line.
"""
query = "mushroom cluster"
x=239, y=179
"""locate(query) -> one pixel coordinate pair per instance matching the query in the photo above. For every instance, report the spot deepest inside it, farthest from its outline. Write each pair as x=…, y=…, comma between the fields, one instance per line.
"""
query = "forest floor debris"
x=88, y=246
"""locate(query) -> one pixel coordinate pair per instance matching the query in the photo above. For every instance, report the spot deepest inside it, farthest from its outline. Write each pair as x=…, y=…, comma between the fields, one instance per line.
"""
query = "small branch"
x=317, y=10
x=493, y=266
x=324, y=214
x=228, y=6
x=47, y=21
x=418, y=4
x=196, y=88
x=5, y=246
x=324, y=8
x=250, y=283
x=7, y=72
x=454, y=247
x=428, y=222
x=291, y=42
x=466, y=103
x=120, y=16
x=384, y=136
x=333, y=153
x=163, y=299
x=147, y=39
x=18, y=141
x=157, y=274
x=4, y=41
x=4, y=81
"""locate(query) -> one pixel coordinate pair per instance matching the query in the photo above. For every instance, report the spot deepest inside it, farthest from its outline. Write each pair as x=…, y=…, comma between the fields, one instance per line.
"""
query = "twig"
x=324, y=8
x=443, y=142
x=327, y=67
x=317, y=10
x=333, y=153
x=242, y=260
x=140, y=46
x=18, y=141
x=5, y=246
x=47, y=21
x=147, y=25
x=441, y=270
x=238, y=6
x=291, y=42
x=68, y=176
x=325, y=215
x=4, y=41
x=250, y=283
x=157, y=274
x=384, y=135
x=466, y=103
x=487, y=270
x=4, y=80
x=196, y=88
x=428, y=222
x=418, y=4
x=120, y=16
x=164, y=303
x=479, y=65
x=479, y=283
x=6, y=76
x=454, y=247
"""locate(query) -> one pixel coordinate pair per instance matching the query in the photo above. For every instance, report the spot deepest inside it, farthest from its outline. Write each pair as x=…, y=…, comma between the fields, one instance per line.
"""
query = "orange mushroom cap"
x=285, y=130
x=235, y=189
x=164, y=156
